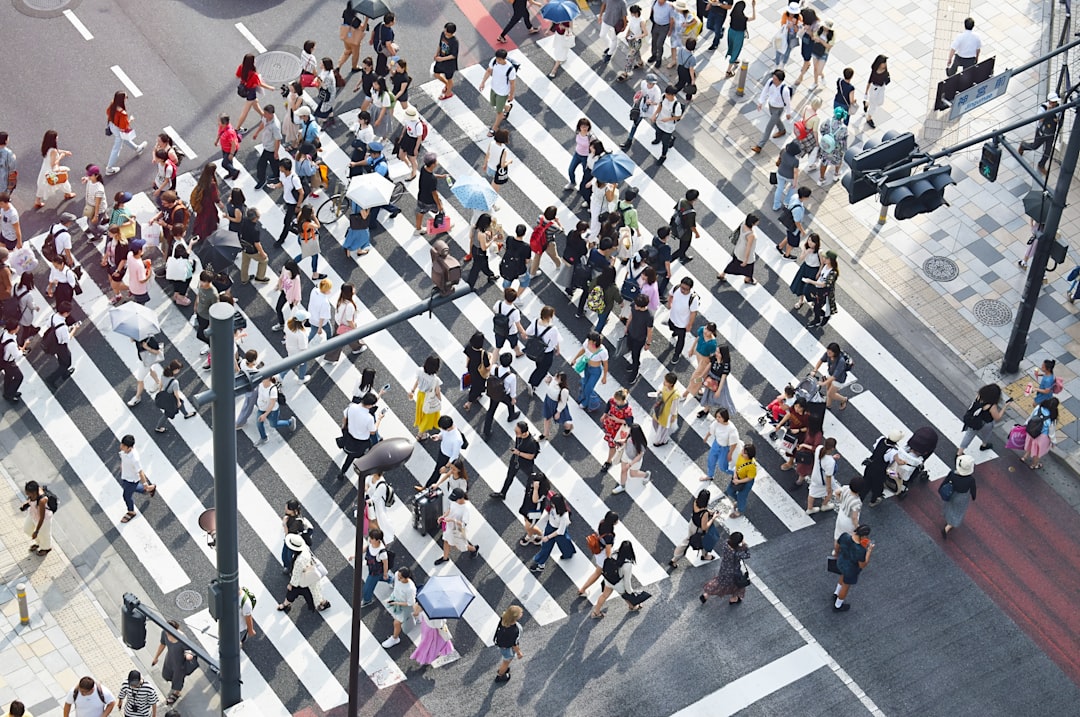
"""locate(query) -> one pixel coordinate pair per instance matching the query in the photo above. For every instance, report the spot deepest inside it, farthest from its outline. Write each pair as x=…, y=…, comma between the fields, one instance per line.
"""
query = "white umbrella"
x=370, y=190
x=134, y=321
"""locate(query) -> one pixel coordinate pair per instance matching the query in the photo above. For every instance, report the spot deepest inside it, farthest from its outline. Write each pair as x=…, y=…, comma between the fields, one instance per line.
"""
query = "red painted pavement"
x=487, y=26
x=1020, y=542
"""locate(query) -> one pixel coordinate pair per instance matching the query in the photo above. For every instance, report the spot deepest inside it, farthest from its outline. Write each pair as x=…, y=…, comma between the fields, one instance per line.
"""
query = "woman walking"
x=824, y=291
x=556, y=405
x=377, y=560
x=482, y=239
x=616, y=424
x=171, y=400
x=179, y=662
x=309, y=241
x=478, y=366
x=327, y=83
x=715, y=392
x=293, y=521
x=150, y=354
x=53, y=176
x=822, y=475
x=206, y=202
x=400, y=604
x=703, y=349
x=248, y=89
x=290, y=121
x=737, y=33
x=358, y=235
x=408, y=141
x=786, y=37
x=532, y=507
x=742, y=480
x=304, y=581
x=703, y=533
x=118, y=122
x=1043, y=419
x=554, y=523
x=296, y=340
x=852, y=552
x=435, y=640
x=836, y=369
x=379, y=103
x=97, y=219
x=583, y=138
x=874, y=97
x=962, y=480
x=1047, y=382
x=562, y=43
x=507, y=637
x=731, y=579
x=455, y=520
x=808, y=143
x=591, y=361
x=426, y=393
x=845, y=94
x=602, y=295
x=604, y=545
x=745, y=254
x=624, y=570
x=497, y=161
x=633, y=455
x=979, y=419
x=832, y=144
x=664, y=412
x=824, y=38
x=353, y=28
x=635, y=34
x=809, y=266
x=39, y=517
x=288, y=292
x=722, y=440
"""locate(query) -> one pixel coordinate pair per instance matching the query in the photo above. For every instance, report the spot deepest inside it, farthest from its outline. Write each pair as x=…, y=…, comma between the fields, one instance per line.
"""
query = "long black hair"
x=607, y=525
x=625, y=554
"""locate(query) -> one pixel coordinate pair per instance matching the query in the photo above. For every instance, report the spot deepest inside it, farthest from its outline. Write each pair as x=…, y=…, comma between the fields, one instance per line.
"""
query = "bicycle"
x=337, y=204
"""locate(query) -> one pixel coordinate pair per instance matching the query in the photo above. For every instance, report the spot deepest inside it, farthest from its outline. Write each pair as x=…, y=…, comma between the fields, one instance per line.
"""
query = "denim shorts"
x=507, y=653
x=523, y=280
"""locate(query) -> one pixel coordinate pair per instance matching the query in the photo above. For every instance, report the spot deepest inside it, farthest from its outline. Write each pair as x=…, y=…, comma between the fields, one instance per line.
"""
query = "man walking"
x=683, y=306
x=8, y=175
x=663, y=12
x=141, y=696
x=503, y=76
x=639, y=331
x=250, y=235
x=292, y=194
x=10, y=230
x=522, y=458
x=776, y=96
x=428, y=200
x=229, y=141
x=132, y=476
x=63, y=329
x=521, y=12
x=1045, y=133
x=450, y=443
x=965, y=49
x=668, y=112
x=90, y=699
x=271, y=147
x=793, y=217
x=612, y=15
x=684, y=225
x=9, y=356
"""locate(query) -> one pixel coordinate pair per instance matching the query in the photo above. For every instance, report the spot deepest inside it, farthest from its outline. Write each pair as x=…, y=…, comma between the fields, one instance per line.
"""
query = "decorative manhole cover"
x=278, y=66
x=992, y=312
x=44, y=8
x=940, y=268
x=855, y=388
x=188, y=600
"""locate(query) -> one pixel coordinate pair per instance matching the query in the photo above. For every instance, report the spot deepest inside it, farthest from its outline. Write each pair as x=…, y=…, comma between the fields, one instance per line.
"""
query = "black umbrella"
x=1037, y=205
x=218, y=256
x=371, y=8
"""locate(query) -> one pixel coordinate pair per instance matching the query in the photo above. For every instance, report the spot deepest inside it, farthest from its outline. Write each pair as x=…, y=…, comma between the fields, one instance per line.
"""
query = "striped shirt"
x=137, y=701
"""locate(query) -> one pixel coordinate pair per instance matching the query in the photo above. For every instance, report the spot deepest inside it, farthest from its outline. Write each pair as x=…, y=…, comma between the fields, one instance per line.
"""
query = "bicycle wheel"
x=397, y=193
x=331, y=210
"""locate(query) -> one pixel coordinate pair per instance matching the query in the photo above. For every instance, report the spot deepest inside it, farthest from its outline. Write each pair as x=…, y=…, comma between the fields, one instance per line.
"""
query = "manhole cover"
x=940, y=268
x=855, y=388
x=278, y=66
x=188, y=600
x=992, y=312
x=44, y=8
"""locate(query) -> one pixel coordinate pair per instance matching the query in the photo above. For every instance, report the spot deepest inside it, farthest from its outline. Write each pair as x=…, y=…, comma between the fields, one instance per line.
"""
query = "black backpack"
x=611, y=571
x=496, y=389
x=678, y=224
x=48, y=247
x=787, y=218
x=49, y=344
x=500, y=323
x=536, y=347
x=51, y=501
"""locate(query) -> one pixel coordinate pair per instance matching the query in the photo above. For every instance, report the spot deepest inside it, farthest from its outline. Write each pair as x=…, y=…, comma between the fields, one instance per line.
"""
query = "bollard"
x=24, y=612
x=884, y=214
x=740, y=85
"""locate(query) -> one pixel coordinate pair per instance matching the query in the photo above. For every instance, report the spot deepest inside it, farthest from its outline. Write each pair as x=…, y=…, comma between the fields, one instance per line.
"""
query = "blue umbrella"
x=613, y=168
x=560, y=10
x=445, y=596
x=475, y=194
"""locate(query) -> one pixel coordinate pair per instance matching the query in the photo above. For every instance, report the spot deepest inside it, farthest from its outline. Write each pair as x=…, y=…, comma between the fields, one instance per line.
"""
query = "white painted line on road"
x=78, y=25
x=184, y=147
x=122, y=76
x=760, y=683
x=250, y=38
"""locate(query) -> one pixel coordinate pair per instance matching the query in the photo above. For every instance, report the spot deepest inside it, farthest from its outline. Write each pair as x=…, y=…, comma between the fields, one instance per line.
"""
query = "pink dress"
x=433, y=644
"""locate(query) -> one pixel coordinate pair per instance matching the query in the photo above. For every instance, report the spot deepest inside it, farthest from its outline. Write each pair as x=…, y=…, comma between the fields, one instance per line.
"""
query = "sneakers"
x=647, y=477
x=536, y=567
x=391, y=641
x=135, y=401
x=140, y=148
x=261, y=442
x=811, y=511
x=292, y=423
x=569, y=186
x=366, y=603
x=204, y=351
x=305, y=379
x=618, y=489
x=843, y=608
x=111, y=170
x=276, y=327
x=503, y=678
x=440, y=561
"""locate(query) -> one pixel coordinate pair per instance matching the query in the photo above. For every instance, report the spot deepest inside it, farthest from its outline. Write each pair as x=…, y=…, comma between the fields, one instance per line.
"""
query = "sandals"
x=843, y=404
x=127, y=517
x=172, y=698
x=446, y=96
x=284, y=607
x=43, y=553
x=324, y=605
x=597, y=615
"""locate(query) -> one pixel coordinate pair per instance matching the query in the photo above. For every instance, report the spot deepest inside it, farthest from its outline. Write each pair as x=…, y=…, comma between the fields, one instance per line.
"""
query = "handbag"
x=56, y=176
x=946, y=490
x=804, y=457
x=635, y=112
x=637, y=598
x=502, y=172
x=773, y=178
x=742, y=578
x=466, y=380
x=831, y=566
x=581, y=363
x=432, y=403
x=108, y=129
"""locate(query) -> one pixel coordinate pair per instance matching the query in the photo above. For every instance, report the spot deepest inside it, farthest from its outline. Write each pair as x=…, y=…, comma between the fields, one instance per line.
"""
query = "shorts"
x=425, y=208
x=490, y=173
x=599, y=559
x=807, y=51
x=497, y=101
x=852, y=577
x=446, y=69
x=523, y=280
x=142, y=371
x=507, y=653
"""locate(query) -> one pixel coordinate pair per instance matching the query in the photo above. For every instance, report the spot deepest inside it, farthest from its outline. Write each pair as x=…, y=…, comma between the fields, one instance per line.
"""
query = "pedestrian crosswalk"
x=86, y=416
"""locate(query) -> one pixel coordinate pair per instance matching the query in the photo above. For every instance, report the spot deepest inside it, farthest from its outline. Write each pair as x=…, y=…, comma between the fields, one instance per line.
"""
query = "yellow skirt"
x=425, y=422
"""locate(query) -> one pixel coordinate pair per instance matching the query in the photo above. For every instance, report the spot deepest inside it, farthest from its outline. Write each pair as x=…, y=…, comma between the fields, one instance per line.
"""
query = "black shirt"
x=575, y=246
x=637, y=327
x=515, y=258
x=843, y=93
x=448, y=46
x=529, y=446
x=428, y=184
x=397, y=81
x=663, y=256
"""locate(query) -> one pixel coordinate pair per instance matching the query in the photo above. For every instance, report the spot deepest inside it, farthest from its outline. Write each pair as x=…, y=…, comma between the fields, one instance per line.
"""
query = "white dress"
x=45, y=191
x=561, y=44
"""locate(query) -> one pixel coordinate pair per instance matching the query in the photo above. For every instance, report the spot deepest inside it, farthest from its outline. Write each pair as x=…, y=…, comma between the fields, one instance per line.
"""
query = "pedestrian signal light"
x=989, y=161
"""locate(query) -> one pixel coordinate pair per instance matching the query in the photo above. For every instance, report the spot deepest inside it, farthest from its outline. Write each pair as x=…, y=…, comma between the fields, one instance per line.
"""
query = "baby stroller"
x=909, y=466
x=778, y=407
x=809, y=390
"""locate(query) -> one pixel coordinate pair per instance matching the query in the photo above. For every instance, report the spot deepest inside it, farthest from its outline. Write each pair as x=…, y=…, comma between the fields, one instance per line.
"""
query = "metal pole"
x=222, y=382
x=24, y=611
x=740, y=84
x=1017, y=347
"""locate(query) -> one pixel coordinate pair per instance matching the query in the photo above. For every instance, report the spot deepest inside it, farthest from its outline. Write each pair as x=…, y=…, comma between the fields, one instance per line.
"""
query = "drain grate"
x=277, y=66
x=44, y=9
x=992, y=312
x=188, y=600
x=940, y=268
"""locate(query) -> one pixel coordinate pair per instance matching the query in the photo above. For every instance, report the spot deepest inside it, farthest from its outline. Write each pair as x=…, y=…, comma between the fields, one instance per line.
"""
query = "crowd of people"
x=614, y=270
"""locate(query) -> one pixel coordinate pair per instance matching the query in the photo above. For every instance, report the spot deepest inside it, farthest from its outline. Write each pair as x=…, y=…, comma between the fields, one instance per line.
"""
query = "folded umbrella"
x=613, y=168
x=370, y=190
x=445, y=596
x=560, y=10
x=475, y=194
x=134, y=321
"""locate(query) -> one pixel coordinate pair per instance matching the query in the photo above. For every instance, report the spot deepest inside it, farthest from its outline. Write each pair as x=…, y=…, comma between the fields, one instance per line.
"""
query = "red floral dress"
x=610, y=421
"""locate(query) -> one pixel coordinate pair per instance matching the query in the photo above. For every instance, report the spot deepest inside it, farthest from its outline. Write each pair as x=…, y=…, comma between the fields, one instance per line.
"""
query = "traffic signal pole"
x=1017, y=347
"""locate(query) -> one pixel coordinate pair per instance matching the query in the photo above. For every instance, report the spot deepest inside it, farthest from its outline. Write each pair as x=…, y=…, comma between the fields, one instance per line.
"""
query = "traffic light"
x=918, y=194
x=445, y=269
x=989, y=161
x=132, y=623
x=894, y=149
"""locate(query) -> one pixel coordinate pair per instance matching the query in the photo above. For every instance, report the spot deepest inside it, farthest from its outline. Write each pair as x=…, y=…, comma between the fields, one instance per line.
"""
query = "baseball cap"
x=136, y=245
x=122, y=197
x=651, y=78
x=134, y=677
x=457, y=494
x=375, y=148
x=92, y=170
x=1053, y=97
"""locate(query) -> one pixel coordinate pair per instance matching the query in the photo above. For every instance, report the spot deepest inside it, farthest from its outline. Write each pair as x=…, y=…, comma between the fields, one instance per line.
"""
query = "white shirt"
x=319, y=308
x=264, y=394
x=62, y=238
x=60, y=328
x=361, y=422
x=295, y=341
x=95, y=190
x=365, y=134
x=130, y=466
x=600, y=354
x=682, y=305
x=558, y=394
x=509, y=379
x=90, y=705
x=415, y=128
x=8, y=219
x=10, y=345
x=64, y=275
x=459, y=513
x=967, y=44
x=290, y=185
x=668, y=109
x=450, y=443
x=635, y=27
x=650, y=97
x=724, y=434
x=550, y=334
x=552, y=518
x=501, y=76
x=346, y=313
x=774, y=95
x=495, y=153
x=824, y=466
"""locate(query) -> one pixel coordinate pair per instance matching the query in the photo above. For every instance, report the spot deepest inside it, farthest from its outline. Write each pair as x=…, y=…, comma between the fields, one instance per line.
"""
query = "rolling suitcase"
x=427, y=507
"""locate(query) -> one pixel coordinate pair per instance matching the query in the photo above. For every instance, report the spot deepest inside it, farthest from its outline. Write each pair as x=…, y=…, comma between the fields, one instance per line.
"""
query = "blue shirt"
x=662, y=14
x=1045, y=382
x=705, y=347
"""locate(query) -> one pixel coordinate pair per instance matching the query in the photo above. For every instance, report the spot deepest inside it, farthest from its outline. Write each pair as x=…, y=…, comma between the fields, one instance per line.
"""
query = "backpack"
x=611, y=571
x=49, y=344
x=100, y=694
x=630, y=286
x=538, y=238
x=248, y=595
x=848, y=362
x=593, y=541
x=595, y=302
x=1059, y=384
x=51, y=501
x=48, y=248
x=496, y=389
x=1034, y=426
x=535, y=346
x=500, y=323
x=391, y=496
x=677, y=224
x=787, y=218
x=801, y=130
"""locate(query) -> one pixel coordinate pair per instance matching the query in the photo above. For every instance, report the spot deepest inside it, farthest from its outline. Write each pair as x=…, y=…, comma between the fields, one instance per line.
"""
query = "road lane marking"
x=251, y=38
x=184, y=147
x=122, y=76
x=78, y=25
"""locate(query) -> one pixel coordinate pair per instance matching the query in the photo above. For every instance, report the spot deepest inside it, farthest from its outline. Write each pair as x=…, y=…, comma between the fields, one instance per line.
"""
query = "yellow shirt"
x=745, y=468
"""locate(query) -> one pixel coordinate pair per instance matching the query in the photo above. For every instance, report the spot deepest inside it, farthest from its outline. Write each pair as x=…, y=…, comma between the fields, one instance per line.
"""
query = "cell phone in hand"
x=386, y=387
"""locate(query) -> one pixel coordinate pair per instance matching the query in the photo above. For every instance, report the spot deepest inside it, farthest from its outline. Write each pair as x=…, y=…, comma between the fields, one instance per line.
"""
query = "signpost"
x=979, y=95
